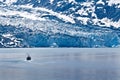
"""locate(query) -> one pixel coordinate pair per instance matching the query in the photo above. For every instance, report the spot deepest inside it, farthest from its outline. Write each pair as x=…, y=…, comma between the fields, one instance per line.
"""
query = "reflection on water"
x=60, y=64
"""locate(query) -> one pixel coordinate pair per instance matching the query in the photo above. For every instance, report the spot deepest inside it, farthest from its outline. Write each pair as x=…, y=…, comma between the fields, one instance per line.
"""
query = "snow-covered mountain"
x=59, y=23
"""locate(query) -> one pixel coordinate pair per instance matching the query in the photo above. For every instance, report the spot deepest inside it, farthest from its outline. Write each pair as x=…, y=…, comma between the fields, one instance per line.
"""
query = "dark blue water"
x=60, y=64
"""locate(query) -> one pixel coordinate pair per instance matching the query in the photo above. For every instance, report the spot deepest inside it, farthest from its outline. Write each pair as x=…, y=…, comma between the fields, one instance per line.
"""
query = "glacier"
x=59, y=23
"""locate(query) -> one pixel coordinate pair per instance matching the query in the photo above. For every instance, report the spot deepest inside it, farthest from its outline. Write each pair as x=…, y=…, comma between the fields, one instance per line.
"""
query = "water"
x=60, y=64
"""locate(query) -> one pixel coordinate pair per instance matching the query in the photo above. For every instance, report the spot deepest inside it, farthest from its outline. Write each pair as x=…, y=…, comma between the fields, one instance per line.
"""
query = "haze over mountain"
x=59, y=23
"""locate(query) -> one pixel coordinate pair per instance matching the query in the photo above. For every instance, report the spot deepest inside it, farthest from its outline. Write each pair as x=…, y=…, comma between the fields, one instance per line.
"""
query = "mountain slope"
x=58, y=23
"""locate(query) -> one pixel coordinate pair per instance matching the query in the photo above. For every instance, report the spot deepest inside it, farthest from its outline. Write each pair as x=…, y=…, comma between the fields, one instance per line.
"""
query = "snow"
x=94, y=15
x=83, y=19
x=11, y=43
x=7, y=35
x=111, y=2
x=116, y=23
x=51, y=1
x=39, y=1
x=23, y=14
x=1, y=0
x=59, y=3
x=100, y=2
x=82, y=12
x=1, y=42
x=64, y=17
x=72, y=1
x=59, y=15
x=35, y=16
x=88, y=7
x=25, y=6
x=87, y=4
x=106, y=22
x=9, y=2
